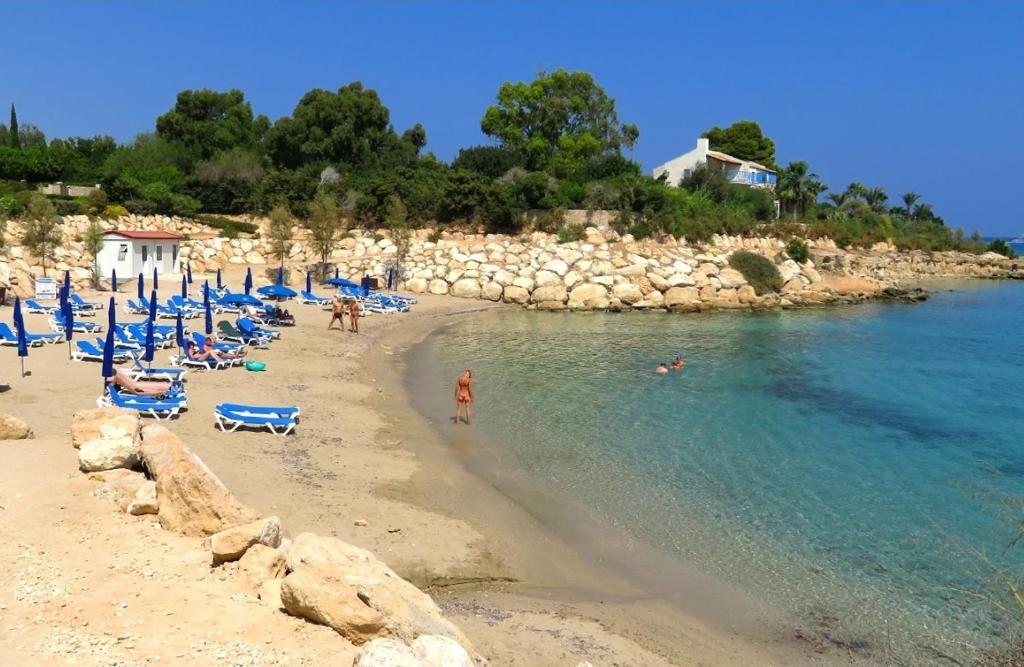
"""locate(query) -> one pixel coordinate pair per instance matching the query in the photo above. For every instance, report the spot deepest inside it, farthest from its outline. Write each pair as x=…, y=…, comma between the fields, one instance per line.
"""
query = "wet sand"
x=362, y=454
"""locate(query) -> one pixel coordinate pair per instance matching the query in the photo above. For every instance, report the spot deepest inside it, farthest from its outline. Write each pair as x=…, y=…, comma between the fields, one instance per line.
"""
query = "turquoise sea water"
x=859, y=468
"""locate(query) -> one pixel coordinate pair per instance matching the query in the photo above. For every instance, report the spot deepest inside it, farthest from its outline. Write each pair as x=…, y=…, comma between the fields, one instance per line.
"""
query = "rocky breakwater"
x=885, y=264
x=606, y=272
x=320, y=579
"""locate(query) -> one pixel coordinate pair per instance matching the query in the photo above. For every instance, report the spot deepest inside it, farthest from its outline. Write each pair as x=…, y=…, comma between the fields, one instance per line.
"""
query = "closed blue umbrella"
x=188, y=269
x=179, y=333
x=142, y=287
x=336, y=274
x=112, y=314
x=108, y=356
x=69, y=324
x=184, y=287
x=150, y=351
x=309, y=281
x=67, y=281
x=156, y=279
x=113, y=280
x=248, y=280
x=365, y=284
x=220, y=285
x=280, y=275
x=19, y=323
x=209, y=312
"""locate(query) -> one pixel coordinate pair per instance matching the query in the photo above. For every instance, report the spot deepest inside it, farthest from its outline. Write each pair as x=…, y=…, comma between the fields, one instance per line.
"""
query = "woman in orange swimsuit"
x=464, y=395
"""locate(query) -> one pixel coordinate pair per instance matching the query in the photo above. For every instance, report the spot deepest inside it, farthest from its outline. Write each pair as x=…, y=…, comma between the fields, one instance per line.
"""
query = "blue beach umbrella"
x=113, y=280
x=365, y=284
x=150, y=351
x=69, y=324
x=336, y=274
x=277, y=291
x=19, y=323
x=209, y=317
x=309, y=281
x=107, y=370
x=188, y=270
x=156, y=279
x=184, y=287
x=340, y=282
x=142, y=287
x=241, y=300
x=67, y=281
x=220, y=285
x=248, y=280
x=280, y=275
x=112, y=314
x=179, y=333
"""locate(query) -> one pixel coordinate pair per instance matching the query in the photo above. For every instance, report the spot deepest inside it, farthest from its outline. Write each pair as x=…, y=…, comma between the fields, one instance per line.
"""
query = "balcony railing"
x=751, y=178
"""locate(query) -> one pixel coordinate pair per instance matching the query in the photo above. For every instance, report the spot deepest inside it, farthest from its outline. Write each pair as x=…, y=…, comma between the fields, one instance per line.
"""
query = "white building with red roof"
x=134, y=252
x=741, y=172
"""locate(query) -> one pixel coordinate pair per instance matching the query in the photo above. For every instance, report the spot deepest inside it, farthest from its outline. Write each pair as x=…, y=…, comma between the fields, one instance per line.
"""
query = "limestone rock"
x=262, y=562
x=492, y=291
x=730, y=278
x=545, y=278
x=86, y=424
x=232, y=543
x=554, y=293
x=12, y=428
x=678, y=297
x=466, y=288
x=407, y=611
x=331, y=601
x=387, y=653
x=515, y=294
x=438, y=651
x=108, y=453
x=416, y=285
x=144, y=501
x=438, y=286
x=627, y=293
x=120, y=486
x=556, y=266
x=589, y=296
x=746, y=294
x=193, y=501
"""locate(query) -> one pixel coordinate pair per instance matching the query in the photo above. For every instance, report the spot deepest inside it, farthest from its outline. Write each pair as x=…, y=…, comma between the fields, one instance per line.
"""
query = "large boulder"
x=193, y=501
x=681, y=297
x=335, y=568
x=466, y=288
x=330, y=601
x=589, y=296
x=438, y=286
x=12, y=428
x=232, y=543
x=144, y=501
x=548, y=293
x=416, y=285
x=120, y=486
x=627, y=293
x=515, y=294
x=385, y=652
x=438, y=651
x=492, y=291
x=730, y=278
x=108, y=453
x=88, y=425
x=261, y=563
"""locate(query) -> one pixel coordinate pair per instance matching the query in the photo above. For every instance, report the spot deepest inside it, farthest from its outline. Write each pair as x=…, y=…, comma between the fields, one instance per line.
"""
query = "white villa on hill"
x=742, y=172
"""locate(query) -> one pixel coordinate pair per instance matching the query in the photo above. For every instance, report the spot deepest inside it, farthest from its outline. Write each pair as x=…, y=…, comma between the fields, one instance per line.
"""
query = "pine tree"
x=12, y=132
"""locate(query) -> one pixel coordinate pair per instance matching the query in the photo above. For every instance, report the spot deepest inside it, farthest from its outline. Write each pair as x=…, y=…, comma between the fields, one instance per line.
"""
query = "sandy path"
x=359, y=454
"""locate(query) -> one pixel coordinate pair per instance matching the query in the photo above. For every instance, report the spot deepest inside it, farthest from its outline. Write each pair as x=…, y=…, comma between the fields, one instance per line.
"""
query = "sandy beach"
x=88, y=585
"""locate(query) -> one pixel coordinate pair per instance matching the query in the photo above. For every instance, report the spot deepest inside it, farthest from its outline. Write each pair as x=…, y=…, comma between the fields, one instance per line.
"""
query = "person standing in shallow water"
x=337, y=313
x=464, y=395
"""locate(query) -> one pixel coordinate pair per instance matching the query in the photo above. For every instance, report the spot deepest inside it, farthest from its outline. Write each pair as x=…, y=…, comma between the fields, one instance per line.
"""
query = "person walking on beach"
x=337, y=313
x=353, y=315
x=464, y=395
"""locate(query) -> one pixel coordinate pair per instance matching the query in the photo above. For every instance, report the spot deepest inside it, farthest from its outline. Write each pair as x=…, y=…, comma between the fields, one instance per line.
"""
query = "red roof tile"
x=134, y=234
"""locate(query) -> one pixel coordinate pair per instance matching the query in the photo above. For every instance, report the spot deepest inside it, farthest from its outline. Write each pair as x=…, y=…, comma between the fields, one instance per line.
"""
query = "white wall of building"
x=133, y=256
x=682, y=166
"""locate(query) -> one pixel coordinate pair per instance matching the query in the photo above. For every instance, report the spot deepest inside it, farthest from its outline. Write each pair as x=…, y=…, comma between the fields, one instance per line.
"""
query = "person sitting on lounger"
x=126, y=383
x=208, y=346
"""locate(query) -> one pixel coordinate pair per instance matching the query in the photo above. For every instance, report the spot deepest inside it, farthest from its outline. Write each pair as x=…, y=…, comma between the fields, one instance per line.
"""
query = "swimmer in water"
x=662, y=369
x=678, y=364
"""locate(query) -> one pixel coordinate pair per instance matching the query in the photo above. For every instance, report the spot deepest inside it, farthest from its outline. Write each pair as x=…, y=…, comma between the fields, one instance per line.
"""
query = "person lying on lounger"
x=208, y=352
x=124, y=381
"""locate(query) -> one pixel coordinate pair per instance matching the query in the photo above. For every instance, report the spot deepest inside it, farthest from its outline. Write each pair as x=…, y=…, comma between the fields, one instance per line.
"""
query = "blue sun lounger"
x=309, y=297
x=140, y=372
x=33, y=306
x=87, y=351
x=57, y=324
x=278, y=420
x=8, y=337
x=249, y=328
x=155, y=408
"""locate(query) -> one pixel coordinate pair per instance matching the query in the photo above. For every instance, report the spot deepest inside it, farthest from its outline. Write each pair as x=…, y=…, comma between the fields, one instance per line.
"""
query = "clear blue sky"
x=910, y=96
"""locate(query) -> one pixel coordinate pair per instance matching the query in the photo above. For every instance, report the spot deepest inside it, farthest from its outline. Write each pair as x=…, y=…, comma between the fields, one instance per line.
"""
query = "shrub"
x=759, y=271
x=1003, y=248
x=434, y=236
x=114, y=211
x=230, y=228
x=69, y=207
x=140, y=206
x=97, y=200
x=571, y=232
x=797, y=250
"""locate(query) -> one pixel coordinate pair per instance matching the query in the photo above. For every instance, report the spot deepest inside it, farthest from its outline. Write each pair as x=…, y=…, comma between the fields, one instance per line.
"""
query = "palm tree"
x=876, y=198
x=909, y=199
x=923, y=212
x=798, y=186
x=837, y=198
x=855, y=190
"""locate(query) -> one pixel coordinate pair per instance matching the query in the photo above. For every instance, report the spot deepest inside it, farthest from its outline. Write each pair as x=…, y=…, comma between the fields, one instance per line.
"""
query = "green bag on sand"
x=255, y=366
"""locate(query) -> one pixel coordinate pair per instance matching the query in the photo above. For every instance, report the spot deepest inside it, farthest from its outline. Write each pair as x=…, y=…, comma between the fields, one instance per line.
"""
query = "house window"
x=145, y=253
x=122, y=252
x=687, y=173
x=159, y=253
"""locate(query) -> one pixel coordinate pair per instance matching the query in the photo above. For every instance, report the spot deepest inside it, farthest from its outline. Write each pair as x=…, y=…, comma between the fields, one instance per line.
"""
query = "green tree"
x=464, y=196
x=97, y=199
x=798, y=187
x=876, y=199
x=280, y=232
x=744, y=140
x=558, y=121
x=323, y=224
x=856, y=190
x=489, y=161
x=12, y=132
x=837, y=199
x=206, y=122
x=909, y=199
x=397, y=222
x=42, y=230
x=228, y=182
x=92, y=240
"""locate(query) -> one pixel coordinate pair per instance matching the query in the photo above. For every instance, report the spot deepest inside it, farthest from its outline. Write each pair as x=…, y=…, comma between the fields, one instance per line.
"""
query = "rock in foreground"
x=12, y=428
